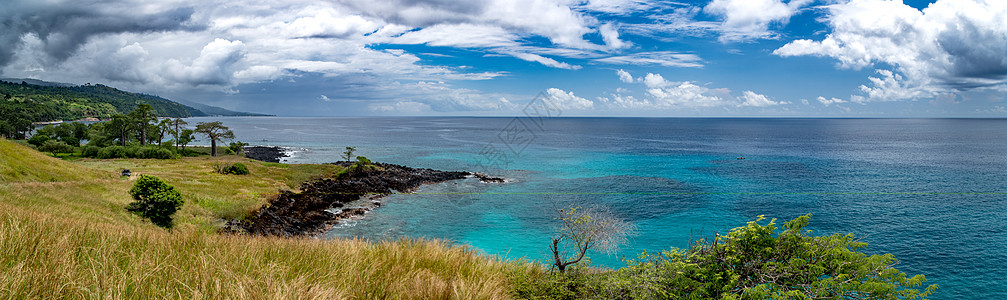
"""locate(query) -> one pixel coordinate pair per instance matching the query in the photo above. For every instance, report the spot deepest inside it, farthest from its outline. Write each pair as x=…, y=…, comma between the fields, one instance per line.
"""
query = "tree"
x=348, y=154
x=154, y=199
x=163, y=129
x=583, y=229
x=118, y=126
x=237, y=147
x=758, y=262
x=177, y=122
x=185, y=138
x=214, y=131
x=142, y=116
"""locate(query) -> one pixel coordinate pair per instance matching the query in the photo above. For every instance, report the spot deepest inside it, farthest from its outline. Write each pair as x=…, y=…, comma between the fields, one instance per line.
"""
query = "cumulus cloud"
x=830, y=101
x=750, y=98
x=950, y=46
x=324, y=24
x=214, y=66
x=750, y=19
x=567, y=100
x=624, y=76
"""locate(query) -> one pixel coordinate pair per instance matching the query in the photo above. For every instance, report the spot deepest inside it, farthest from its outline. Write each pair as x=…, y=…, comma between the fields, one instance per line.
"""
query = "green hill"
x=41, y=101
x=49, y=103
x=19, y=163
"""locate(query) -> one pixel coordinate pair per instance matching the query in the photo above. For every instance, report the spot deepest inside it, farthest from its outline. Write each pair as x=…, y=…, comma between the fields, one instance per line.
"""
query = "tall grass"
x=65, y=233
x=46, y=256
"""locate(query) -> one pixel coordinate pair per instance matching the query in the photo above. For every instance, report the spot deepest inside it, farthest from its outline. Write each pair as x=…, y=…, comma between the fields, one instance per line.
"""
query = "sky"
x=719, y=58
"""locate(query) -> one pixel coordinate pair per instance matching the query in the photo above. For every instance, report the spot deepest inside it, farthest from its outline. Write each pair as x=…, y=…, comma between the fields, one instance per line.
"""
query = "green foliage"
x=236, y=147
x=348, y=154
x=38, y=139
x=234, y=169
x=215, y=131
x=132, y=151
x=55, y=146
x=362, y=166
x=49, y=103
x=553, y=285
x=759, y=262
x=154, y=199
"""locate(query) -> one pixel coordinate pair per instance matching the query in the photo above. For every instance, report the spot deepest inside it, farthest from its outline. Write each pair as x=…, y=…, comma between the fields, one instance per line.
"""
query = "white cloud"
x=324, y=24
x=214, y=66
x=610, y=34
x=460, y=35
x=830, y=101
x=567, y=100
x=750, y=19
x=756, y=100
x=324, y=98
x=663, y=58
x=683, y=94
x=544, y=60
x=652, y=80
x=950, y=46
x=625, y=76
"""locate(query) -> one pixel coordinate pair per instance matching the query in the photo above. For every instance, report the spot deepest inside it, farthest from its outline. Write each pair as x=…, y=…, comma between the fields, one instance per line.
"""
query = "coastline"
x=324, y=203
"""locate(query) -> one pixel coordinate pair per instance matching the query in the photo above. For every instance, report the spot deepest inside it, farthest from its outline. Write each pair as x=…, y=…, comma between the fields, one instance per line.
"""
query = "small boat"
x=740, y=158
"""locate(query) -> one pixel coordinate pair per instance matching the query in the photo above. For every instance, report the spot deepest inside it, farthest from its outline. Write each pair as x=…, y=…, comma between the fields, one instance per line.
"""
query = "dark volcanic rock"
x=265, y=153
x=317, y=207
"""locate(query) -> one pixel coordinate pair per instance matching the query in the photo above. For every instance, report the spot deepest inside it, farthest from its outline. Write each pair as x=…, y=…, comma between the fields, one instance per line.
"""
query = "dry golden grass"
x=65, y=233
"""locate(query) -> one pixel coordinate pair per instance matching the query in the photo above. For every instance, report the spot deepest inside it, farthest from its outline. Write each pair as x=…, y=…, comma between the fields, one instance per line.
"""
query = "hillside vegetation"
x=66, y=233
x=49, y=103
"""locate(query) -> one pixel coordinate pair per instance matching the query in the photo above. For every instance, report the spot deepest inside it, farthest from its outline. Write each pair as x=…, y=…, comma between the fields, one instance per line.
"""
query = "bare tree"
x=214, y=131
x=583, y=229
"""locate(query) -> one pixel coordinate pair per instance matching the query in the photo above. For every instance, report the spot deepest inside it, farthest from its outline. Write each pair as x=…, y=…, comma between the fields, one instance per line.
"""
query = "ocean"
x=929, y=191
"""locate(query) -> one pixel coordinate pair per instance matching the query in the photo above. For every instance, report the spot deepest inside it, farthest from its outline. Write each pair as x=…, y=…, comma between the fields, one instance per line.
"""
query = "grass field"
x=65, y=233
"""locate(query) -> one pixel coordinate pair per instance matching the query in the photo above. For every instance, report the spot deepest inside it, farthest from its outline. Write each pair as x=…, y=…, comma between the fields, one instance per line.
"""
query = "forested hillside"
x=38, y=103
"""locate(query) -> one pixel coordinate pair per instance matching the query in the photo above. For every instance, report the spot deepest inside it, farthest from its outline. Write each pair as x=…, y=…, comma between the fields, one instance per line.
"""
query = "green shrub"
x=155, y=200
x=90, y=151
x=238, y=169
x=55, y=146
x=112, y=152
x=38, y=139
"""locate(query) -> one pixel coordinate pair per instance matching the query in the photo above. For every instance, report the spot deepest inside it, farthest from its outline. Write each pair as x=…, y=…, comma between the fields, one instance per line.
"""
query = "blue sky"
x=798, y=58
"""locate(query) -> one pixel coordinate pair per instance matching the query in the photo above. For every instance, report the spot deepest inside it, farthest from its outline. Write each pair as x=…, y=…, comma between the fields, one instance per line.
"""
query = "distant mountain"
x=217, y=111
x=49, y=101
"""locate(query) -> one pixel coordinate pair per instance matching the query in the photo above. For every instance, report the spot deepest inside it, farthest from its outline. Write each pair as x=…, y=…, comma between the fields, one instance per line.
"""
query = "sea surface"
x=930, y=191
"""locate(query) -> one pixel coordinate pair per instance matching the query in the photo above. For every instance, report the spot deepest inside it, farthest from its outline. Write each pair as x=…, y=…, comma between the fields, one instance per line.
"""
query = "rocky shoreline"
x=265, y=153
x=323, y=203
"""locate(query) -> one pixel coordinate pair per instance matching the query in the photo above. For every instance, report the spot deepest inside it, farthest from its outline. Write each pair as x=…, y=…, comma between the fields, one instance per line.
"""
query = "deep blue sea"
x=930, y=191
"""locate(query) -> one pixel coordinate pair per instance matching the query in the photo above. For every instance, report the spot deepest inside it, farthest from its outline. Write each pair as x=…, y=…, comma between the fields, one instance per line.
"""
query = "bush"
x=155, y=200
x=759, y=262
x=38, y=139
x=55, y=146
x=90, y=151
x=236, y=169
x=755, y=261
x=112, y=152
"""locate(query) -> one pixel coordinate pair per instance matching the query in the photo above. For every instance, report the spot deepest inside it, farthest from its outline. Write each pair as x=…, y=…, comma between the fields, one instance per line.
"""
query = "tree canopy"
x=214, y=131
